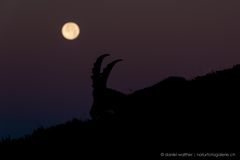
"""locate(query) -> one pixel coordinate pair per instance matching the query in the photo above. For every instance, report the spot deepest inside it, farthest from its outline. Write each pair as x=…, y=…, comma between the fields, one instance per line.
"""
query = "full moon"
x=70, y=30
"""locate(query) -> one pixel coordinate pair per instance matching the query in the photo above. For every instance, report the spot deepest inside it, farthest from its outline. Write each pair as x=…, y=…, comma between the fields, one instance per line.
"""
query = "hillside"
x=173, y=115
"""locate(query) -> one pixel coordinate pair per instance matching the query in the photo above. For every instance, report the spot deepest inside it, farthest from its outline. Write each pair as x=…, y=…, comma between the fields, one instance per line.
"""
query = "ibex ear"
x=97, y=65
x=108, y=69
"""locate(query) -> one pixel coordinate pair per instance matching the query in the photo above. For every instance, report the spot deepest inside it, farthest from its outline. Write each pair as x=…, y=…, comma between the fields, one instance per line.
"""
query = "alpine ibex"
x=106, y=101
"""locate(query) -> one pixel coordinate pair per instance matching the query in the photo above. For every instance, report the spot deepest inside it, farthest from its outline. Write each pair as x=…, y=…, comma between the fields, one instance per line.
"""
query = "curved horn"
x=97, y=65
x=108, y=69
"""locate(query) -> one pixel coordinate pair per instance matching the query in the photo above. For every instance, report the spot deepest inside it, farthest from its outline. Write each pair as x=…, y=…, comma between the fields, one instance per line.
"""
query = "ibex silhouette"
x=106, y=101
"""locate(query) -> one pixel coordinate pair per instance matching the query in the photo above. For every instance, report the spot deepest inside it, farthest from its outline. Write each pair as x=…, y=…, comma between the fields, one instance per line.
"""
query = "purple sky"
x=45, y=79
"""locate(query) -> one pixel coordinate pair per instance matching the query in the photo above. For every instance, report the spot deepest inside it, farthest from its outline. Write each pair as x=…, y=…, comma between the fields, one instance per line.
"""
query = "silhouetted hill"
x=173, y=115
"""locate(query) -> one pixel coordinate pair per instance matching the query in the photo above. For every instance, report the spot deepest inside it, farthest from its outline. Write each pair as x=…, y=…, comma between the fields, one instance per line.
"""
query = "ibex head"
x=105, y=101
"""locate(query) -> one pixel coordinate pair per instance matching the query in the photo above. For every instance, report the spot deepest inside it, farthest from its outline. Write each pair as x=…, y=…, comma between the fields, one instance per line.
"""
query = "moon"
x=70, y=30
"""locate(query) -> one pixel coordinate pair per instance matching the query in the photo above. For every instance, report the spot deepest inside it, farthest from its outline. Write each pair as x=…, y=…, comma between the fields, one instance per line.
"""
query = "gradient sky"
x=45, y=79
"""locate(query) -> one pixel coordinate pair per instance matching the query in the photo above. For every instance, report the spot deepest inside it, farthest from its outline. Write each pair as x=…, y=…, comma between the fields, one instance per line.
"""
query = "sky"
x=45, y=79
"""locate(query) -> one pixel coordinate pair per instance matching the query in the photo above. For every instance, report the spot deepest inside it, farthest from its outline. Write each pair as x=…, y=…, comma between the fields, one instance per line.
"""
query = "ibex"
x=106, y=101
